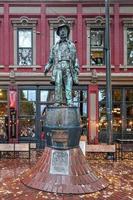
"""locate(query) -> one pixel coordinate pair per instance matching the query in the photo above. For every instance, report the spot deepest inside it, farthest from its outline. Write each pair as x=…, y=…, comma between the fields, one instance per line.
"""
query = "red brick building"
x=28, y=30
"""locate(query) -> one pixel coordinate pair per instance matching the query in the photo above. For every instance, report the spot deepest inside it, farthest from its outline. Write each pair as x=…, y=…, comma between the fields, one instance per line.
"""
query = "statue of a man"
x=64, y=65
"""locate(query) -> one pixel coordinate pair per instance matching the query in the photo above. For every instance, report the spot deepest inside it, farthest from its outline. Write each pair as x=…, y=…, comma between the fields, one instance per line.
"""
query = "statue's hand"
x=45, y=72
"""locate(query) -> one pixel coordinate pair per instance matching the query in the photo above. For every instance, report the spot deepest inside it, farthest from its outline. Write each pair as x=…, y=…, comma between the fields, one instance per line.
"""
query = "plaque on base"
x=59, y=162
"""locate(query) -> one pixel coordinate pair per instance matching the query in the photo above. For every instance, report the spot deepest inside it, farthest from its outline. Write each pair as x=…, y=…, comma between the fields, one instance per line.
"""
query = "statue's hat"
x=63, y=25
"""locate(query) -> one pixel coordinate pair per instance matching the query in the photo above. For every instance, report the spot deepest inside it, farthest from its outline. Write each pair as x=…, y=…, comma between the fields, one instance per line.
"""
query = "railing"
x=15, y=147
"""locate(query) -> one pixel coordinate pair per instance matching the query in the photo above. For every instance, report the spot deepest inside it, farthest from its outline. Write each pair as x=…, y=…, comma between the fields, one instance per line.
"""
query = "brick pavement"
x=119, y=174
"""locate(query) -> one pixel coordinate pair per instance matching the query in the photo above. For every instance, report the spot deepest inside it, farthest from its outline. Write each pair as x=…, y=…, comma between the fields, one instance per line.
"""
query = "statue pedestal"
x=62, y=168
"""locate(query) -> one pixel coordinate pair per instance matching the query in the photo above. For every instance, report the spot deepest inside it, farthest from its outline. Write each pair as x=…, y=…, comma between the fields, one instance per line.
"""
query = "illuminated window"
x=27, y=110
x=80, y=100
x=3, y=114
x=122, y=113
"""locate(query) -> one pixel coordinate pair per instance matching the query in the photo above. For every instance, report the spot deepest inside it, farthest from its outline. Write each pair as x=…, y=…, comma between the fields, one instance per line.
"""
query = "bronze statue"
x=64, y=65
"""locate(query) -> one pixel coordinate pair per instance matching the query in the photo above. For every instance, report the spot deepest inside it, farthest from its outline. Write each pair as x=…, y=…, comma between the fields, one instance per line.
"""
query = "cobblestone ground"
x=119, y=174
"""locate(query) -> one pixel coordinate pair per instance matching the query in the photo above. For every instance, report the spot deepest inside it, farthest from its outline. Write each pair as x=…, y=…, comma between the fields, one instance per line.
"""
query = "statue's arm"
x=76, y=65
x=75, y=61
x=50, y=61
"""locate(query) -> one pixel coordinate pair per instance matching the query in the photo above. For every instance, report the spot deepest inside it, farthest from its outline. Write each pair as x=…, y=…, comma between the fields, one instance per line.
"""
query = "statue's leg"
x=68, y=88
x=58, y=87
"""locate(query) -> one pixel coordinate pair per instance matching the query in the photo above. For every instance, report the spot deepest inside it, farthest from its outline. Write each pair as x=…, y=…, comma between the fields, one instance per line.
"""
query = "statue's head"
x=63, y=30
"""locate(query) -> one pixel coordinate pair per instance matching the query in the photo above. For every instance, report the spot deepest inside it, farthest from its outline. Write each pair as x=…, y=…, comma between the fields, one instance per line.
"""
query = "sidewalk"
x=119, y=174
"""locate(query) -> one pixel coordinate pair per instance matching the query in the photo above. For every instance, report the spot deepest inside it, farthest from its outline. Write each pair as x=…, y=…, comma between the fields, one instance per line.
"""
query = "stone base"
x=69, y=174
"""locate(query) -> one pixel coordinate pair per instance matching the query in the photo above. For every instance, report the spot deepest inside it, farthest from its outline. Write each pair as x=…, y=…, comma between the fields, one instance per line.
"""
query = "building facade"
x=27, y=32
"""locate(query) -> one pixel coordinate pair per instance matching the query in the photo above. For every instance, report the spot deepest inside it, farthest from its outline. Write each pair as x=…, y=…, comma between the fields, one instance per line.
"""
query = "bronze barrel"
x=62, y=127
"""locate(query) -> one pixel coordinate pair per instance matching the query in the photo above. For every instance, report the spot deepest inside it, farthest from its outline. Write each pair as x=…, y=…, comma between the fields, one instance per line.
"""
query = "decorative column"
x=6, y=34
x=93, y=113
x=13, y=125
x=116, y=37
x=43, y=34
x=79, y=33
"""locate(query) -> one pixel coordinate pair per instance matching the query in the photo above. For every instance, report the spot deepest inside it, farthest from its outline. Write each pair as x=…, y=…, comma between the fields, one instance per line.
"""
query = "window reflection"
x=130, y=46
x=102, y=117
x=47, y=96
x=117, y=120
x=3, y=109
x=3, y=129
x=27, y=127
x=24, y=46
x=3, y=115
x=116, y=95
x=85, y=109
x=84, y=95
x=28, y=95
x=43, y=108
x=130, y=110
x=96, y=46
x=80, y=100
x=44, y=95
x=27, y=110
x=122, y=112
x=24, y=36
x=102, y=95
x=3, y=95
x=129, y=125
x=129, y=94
x=76, y=95
x=116, y=110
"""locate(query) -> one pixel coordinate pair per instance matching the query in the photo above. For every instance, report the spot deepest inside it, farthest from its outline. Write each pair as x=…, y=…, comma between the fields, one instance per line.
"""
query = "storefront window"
x=116, y=95
x=27, y=127
x=3, y=108
x=129, y=110
x=43, y=108
x=3, y=115
x=47, y=96
x=102, y=117
x=122, y=113
x=80, y=100
x=28, y=95
x=117, y=119
x=129, y=126
x=129, y=94
x=27, y=110
x=102, y=96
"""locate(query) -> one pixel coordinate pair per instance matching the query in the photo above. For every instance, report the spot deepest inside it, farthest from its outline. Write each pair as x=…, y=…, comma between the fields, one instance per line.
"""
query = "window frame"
x=127, y=24
x=97, y=48
x=92, y=23
x=24, y=47
x=24, y=23
x=123, y=114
